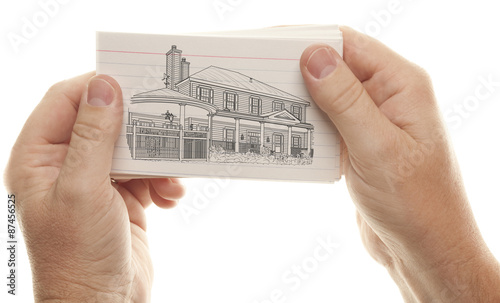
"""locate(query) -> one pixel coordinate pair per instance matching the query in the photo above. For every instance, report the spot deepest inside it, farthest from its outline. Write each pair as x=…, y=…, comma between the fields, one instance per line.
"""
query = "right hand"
x=412, y=208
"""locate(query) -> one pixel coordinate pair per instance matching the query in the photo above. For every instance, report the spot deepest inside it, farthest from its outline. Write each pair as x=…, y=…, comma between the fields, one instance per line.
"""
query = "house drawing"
x=218, y=115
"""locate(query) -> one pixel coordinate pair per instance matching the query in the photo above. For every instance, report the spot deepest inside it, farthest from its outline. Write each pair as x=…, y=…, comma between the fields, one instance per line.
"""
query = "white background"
x=251, y=233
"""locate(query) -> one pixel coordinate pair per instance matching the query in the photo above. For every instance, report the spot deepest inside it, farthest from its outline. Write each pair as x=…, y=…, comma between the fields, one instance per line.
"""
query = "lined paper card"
x=224, y=104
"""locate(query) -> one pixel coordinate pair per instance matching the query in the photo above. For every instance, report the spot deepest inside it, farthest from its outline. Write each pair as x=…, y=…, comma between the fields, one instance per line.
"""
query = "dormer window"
x=278, y=106
x=297, y=112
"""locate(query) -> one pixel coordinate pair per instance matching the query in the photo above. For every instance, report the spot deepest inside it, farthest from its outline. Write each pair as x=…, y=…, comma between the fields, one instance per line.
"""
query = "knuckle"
x=15, y=170
x=91, y=133
x=423, y=75
x=56, y=88
x=85, y=139
x=9, y=176
x=420, y=87
x=420, y=76
x=346, y=97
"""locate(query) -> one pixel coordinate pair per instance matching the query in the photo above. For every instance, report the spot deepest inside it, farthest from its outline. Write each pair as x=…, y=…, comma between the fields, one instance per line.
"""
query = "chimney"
x=184, y=69
x=173, y=67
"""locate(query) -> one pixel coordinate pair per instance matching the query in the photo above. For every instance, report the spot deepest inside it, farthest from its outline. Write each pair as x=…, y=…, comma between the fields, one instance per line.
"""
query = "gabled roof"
x=236, y=80
x=282, y=115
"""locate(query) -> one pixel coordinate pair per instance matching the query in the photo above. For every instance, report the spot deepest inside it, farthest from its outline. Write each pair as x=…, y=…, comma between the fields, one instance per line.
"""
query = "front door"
x=278, y=143
x=254, y=144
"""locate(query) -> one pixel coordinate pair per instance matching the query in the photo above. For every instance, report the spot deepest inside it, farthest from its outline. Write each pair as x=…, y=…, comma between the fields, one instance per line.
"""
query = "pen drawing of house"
x=219, y=115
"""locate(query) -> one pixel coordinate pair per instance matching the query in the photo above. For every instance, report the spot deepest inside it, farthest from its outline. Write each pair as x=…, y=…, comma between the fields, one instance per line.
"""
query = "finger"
x=97, y=126
x=139, y=188
x=402, y=90
x=165, y=192
x=365, y=55
x=135, y=209
x=162, y=191
x=52, y=119
x=338, y=92
x=375, y=65
x=168, y=188
x=160, y=201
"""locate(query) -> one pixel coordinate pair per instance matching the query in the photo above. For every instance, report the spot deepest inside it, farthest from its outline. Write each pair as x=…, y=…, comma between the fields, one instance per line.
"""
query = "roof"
x=163, y=92
x=166, y=95
x=236, y=80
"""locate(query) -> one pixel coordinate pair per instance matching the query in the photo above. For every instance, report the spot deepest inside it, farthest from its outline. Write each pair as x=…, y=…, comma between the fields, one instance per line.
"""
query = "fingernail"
x=100, y=93
x=321, y=63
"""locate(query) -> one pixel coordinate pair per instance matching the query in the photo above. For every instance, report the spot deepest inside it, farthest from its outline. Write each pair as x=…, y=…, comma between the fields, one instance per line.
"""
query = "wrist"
x=92, y=296
x=79, y=288
x=462, y=276
x=80, y=293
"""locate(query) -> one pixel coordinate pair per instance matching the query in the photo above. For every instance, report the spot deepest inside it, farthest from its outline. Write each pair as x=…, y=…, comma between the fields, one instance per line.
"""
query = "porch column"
x=182, y=117
x=237, y=135
x=289, y=145
x=308, y=142
x=134, y=138
x=209, y=135
x=262, y=139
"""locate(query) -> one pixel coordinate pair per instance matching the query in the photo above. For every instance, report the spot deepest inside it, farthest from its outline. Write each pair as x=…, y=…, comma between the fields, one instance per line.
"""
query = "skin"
x=86, y=235
x=412, y=209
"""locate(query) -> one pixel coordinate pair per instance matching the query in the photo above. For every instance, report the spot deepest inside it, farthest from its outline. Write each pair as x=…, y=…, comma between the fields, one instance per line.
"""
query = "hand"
x=412, y=208
x=85, y=236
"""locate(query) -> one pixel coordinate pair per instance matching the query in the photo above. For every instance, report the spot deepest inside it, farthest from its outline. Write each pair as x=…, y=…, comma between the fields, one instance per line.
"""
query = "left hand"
x=86, y=237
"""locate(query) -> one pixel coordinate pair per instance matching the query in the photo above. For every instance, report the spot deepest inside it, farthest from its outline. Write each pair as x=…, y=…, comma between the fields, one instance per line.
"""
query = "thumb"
x=97, y=126
x=338, y=92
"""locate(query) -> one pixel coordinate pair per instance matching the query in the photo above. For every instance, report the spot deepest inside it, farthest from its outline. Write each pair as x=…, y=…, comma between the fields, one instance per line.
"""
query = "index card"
x=227, y=104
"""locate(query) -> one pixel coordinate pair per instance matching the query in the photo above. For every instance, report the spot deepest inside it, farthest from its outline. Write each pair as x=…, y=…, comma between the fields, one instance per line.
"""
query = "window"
x=255, y=105
x=230, y=101
x=296, y=141
x=253, y=138
x=228, y=134
x=297, y=112
x=205, y=94
x=278, y=106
